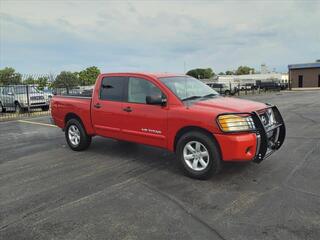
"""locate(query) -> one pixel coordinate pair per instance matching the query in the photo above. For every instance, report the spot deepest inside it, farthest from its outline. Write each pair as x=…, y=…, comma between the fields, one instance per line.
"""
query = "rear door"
x=144, y=123
x=107, y=111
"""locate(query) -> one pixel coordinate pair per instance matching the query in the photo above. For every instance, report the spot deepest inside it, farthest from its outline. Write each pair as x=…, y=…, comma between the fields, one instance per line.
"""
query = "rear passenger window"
x=112, y=88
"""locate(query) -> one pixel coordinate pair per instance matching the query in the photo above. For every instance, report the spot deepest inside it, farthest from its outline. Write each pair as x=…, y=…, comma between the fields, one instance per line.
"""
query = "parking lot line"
x=37, y=123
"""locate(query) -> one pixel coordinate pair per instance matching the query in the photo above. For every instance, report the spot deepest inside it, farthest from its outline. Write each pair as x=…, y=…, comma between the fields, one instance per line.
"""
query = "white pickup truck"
x=21, y=97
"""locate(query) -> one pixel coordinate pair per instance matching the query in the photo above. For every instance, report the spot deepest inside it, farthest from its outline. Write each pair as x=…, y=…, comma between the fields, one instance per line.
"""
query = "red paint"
x=111, y=121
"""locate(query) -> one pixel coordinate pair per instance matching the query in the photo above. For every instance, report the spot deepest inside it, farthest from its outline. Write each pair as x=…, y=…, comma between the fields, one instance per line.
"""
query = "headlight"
x=235, y=123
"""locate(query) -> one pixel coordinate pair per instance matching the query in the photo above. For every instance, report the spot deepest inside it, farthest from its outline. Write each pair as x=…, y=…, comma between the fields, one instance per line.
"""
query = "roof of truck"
x=157, y=75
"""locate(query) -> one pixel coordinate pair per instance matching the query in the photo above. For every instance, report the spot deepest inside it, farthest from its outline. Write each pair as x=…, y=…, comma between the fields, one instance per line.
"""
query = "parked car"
x=222, y=88
x=19, y=98
x=175, y=112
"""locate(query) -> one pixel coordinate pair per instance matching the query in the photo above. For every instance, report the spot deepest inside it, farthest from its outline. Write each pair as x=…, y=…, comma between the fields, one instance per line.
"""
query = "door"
x=144, y=123
x=300, y=81
x=107, y=113
x=8, y=97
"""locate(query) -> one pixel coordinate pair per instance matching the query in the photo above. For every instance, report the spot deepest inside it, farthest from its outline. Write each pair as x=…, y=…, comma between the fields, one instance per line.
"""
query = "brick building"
x=304, y=75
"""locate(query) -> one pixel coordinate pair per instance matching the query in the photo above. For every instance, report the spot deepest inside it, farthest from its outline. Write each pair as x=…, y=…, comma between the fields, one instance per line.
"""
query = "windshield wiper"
x=210, y=95
x=191, y=98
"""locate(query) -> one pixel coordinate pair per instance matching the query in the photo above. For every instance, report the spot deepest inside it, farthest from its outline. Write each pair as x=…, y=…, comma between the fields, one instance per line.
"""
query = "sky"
x=39, y=37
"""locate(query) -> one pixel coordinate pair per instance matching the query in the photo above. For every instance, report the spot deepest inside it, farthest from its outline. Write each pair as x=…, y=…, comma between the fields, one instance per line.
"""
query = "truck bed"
x=61, y=106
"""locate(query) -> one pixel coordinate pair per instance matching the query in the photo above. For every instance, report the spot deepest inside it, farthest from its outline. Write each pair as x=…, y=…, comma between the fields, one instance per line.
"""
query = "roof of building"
x=304, y=65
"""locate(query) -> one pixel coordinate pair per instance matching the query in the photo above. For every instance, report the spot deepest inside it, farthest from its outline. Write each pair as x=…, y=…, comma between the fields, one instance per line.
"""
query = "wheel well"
x=72, y=116
x=193, y=128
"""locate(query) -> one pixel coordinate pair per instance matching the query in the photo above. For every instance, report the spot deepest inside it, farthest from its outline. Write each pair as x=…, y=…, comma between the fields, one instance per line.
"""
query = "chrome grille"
x=36, y=98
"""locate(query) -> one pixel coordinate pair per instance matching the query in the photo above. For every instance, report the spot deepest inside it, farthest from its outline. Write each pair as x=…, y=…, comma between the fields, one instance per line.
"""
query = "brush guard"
x=269, y=137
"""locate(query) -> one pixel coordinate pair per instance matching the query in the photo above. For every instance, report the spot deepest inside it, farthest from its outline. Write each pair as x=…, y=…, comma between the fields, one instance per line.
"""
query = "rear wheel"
x=76, y=136
x=198, y=155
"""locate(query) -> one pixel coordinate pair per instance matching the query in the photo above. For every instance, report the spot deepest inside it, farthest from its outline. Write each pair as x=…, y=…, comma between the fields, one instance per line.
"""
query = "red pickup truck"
x=175, y=112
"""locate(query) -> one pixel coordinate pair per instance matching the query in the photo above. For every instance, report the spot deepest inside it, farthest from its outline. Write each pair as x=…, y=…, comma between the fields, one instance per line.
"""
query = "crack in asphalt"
x=184, y=208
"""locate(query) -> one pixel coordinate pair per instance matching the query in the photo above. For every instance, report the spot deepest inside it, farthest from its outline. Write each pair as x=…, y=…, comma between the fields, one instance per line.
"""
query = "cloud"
x=50, y=36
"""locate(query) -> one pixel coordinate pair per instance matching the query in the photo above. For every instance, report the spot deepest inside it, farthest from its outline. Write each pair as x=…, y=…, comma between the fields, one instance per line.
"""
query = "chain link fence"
x=21, y=101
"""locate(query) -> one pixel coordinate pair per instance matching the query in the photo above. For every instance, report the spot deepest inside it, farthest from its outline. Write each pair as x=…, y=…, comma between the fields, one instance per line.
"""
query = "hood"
x=228, y=104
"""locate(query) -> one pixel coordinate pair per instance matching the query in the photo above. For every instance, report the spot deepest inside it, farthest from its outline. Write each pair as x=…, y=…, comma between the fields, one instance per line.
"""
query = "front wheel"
x=198, y=155
x=19, y=109
x=76, y=136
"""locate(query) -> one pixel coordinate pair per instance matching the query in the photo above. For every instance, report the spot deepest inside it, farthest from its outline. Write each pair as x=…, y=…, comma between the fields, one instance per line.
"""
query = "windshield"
x=188, y=88
x=23, y=90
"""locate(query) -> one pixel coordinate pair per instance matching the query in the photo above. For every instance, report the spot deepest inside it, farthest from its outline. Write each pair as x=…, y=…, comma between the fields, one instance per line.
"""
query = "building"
x=304, y=75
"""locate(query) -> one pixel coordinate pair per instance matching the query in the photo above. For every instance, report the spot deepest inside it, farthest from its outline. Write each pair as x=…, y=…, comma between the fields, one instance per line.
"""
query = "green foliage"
x=8, y=76
x=42, y=82
x=66, y=80
x=201, y=73
x=229, y=72
x=88, y=76
x=244, y=70
x=30, y=81
x=221, y=73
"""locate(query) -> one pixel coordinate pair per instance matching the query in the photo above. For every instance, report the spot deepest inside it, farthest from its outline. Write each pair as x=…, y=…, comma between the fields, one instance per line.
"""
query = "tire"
x=207, y=144
x=76, y=136
x=45, y=108
x=19, y=109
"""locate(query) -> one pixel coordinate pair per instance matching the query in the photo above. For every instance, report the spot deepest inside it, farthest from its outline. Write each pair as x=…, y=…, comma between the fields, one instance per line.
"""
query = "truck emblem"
x=151, y=130
x=264, y=120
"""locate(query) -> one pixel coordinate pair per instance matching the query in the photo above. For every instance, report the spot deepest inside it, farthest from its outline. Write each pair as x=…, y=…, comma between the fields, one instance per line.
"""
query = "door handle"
x=98, y=105
x=127, y=109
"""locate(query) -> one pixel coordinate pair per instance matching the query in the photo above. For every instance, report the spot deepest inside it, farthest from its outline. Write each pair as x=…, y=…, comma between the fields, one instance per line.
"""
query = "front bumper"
x=255, y=145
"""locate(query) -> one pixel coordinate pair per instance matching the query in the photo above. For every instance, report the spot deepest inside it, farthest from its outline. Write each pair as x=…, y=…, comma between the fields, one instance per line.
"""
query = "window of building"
x=319, y=80
x=300, y=81
x=112, y=88
x=139, y=89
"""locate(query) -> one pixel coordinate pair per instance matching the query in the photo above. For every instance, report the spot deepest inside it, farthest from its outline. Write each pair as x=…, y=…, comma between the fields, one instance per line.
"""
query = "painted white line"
x=37, y=123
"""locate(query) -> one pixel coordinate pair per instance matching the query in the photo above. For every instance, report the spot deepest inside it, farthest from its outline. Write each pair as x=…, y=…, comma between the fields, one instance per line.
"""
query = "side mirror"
x=156, y=100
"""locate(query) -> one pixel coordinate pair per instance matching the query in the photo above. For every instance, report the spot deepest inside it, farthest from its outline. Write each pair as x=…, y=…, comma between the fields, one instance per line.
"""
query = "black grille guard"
x=264, y=145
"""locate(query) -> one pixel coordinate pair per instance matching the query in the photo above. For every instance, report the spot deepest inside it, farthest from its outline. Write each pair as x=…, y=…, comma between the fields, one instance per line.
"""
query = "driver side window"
x=139, y=89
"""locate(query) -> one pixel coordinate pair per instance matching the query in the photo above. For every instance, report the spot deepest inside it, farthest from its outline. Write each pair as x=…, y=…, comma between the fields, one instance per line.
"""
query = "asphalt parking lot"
x=119, y=190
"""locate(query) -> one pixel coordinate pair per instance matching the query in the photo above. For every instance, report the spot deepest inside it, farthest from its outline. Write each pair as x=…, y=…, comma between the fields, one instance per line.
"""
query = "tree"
x=42, y=82
x=8, y=76
x=30, y=81
x=66, y=80
x=201, y=73
x=244, y=70
x=88, y=76
x=229, y=72
x=221, y=73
